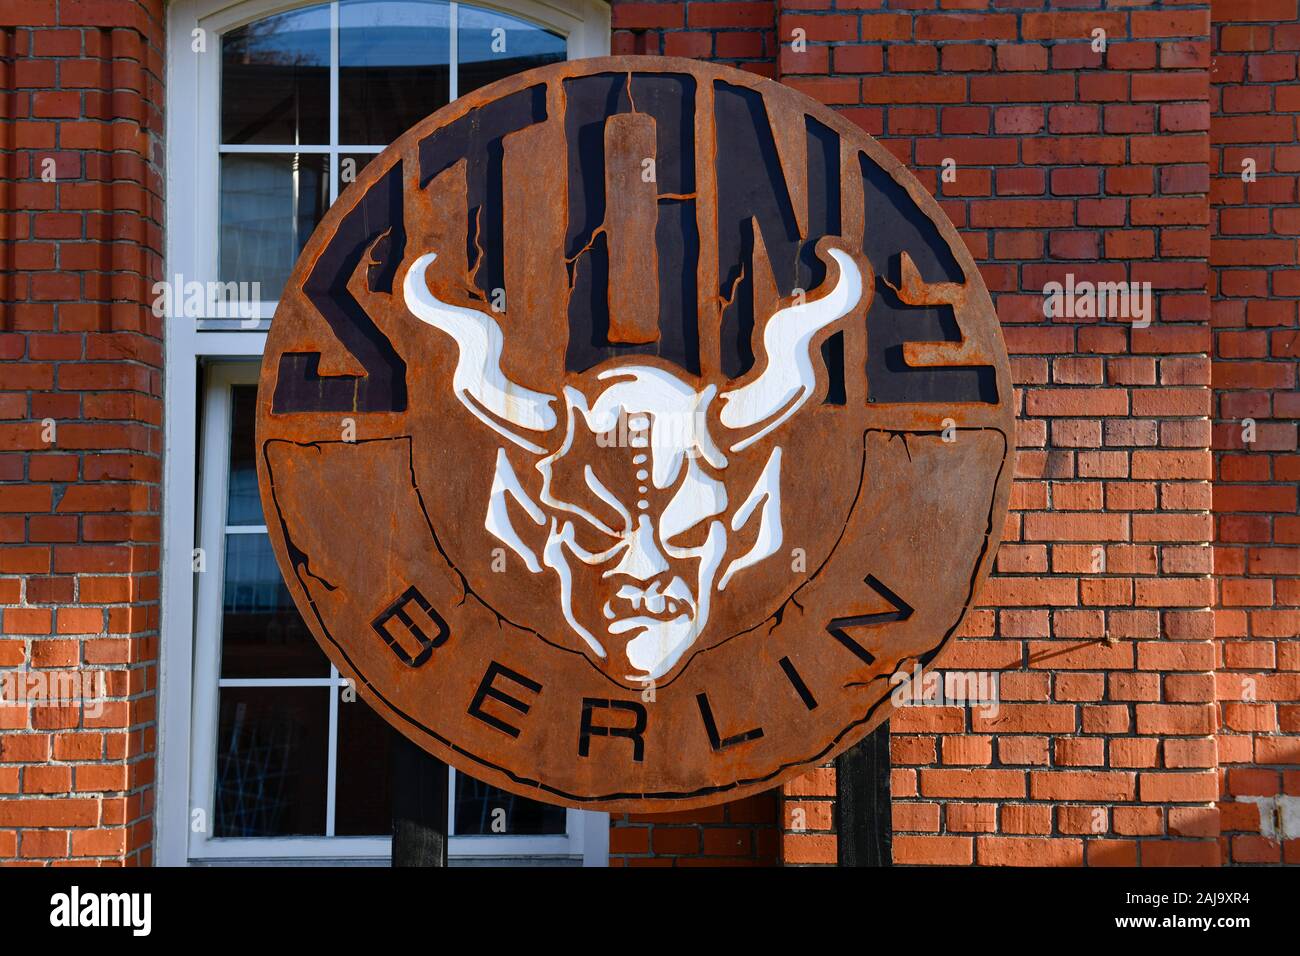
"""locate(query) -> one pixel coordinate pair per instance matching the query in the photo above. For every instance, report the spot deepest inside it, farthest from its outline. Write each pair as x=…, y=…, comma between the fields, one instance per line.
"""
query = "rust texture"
x=654, y=480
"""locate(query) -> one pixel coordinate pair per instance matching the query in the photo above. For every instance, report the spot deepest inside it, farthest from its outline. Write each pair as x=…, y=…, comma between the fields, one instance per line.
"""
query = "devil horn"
x=478, y=382
x=787, y=379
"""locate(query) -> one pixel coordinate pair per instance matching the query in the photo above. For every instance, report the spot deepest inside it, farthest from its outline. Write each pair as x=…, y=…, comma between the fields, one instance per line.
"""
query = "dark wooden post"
x=862, y=802
x=419, y=806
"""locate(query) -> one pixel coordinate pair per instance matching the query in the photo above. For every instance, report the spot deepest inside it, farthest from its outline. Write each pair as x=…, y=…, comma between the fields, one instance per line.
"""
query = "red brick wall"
x=1256, y=99
x=808, y=819
x=739, y=33
x=80, y=83
x=743, y=833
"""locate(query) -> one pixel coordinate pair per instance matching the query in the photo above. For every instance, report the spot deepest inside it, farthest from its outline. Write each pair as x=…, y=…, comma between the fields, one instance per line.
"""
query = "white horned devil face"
x=630, y=506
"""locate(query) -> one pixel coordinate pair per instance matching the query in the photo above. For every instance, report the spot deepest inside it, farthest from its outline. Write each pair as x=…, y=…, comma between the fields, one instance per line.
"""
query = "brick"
x=913, y=89
x=1028, y=851
x=1181, y=787
x=49, y=813
x=972, y=783
x=933, y=850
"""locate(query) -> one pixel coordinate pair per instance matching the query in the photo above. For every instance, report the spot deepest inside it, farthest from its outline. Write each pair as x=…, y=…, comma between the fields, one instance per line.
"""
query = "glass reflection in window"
x=394, y=67
x=275, y=80
x=270, y=204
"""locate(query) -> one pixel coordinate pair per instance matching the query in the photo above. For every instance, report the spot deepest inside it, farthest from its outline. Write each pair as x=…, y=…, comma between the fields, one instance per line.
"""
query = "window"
x=308, y=96
x=273, y=110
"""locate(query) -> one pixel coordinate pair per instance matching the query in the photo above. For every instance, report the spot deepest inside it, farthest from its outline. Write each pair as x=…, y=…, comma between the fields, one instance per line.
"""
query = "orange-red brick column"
x=80, y=415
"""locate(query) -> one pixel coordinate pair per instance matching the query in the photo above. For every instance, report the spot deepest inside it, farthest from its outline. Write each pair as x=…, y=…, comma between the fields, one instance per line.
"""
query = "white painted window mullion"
x=451, y=800
x=332, y=770
x=334, y=102
x=278, y=148
x=276, y=682
x=453, y=52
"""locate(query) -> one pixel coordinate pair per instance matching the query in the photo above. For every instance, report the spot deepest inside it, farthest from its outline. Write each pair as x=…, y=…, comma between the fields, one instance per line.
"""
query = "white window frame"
x=191, y=603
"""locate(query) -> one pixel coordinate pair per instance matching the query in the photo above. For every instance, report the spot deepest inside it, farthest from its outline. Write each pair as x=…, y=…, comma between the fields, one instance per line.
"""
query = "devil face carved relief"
x=635, y=501
x=628, y=427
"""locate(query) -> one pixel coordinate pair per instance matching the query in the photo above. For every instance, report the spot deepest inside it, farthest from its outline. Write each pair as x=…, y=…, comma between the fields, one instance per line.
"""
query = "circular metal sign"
x=627, y=425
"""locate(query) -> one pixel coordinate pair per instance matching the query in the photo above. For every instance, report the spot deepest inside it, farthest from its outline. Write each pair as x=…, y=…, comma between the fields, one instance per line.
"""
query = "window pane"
x=363, y=797
x=269, y=206
x=262, y=634
x=275, y=80
x=492, y=45
x=393, y=71
x=245, y=504
x=479, y=807
x=271, y=761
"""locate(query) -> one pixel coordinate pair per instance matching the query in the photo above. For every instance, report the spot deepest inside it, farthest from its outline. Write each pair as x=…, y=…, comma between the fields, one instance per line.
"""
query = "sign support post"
x=419, y=806
x=862, y=802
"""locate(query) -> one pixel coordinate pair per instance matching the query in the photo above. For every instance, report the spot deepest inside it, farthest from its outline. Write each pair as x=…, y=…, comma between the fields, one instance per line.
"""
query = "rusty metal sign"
x=627, y=425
